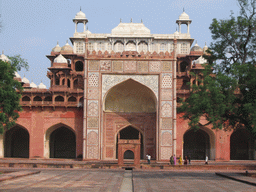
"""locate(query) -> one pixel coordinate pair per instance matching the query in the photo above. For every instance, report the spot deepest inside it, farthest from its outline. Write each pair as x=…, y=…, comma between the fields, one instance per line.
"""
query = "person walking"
x=206, y=160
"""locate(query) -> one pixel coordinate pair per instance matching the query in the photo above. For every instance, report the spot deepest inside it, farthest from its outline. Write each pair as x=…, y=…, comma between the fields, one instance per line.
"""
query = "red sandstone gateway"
x=114, y=96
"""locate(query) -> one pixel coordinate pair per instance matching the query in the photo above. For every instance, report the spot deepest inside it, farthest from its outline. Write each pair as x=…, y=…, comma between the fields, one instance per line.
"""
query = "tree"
x=10, y=91
x=227, y=95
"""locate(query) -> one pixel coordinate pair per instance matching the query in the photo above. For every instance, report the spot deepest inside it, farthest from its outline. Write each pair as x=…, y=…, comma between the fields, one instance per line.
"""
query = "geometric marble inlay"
x=93, y=93
x=105, y=65
x=167, y=80
x=94, y=65
x=93, y=80
x=166, y=138
x=167, y=66
x=166, y=94
x=129, y=66
x=166, y=109
x=166, y=153
x=166, y=123
x=142, y=66
x=155, y=66
x=117, y=66
x=92, y=122
x=93, y=108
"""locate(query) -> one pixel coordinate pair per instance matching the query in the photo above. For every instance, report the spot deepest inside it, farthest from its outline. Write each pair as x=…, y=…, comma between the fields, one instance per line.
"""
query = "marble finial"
x=120, y=20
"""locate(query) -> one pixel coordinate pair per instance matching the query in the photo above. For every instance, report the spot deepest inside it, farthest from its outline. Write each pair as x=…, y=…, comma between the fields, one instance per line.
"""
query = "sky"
x=32, y=28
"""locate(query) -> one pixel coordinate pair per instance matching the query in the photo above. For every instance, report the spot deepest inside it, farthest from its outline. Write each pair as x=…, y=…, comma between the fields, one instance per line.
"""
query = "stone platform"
x=76, y=164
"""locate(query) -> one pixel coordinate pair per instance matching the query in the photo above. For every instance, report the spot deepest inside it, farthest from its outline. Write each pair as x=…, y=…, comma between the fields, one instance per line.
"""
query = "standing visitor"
x=206, y=160
x=171, y=160
x=180, y=160
x=148, y=158
x=185, y=160
x=174, y=159
x=189, y=159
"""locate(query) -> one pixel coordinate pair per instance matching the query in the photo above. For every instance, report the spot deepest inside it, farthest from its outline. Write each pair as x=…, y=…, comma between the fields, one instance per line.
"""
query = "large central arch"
x=129, y=105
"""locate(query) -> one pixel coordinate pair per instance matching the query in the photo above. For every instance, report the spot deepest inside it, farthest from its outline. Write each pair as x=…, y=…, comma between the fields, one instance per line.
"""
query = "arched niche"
x=72, y=99
x=241, y=145
x=16, y=142
x=128, y=154
x=183, y=66
x=60, y=142
x=37, y=98
x=59, y=99
x=198, y=144
x=130, y=96
x=127, y=133
x=79, y=66
x=25, y=98
x=48, y=98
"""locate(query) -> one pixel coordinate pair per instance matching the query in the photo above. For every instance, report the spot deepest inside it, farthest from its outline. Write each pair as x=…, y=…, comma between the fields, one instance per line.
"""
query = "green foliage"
x=18, y=62
x=10, y=90
x=227, y=98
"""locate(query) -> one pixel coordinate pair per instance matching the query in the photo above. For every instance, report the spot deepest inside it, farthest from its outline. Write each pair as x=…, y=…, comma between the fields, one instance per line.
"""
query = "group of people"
x=173, y=160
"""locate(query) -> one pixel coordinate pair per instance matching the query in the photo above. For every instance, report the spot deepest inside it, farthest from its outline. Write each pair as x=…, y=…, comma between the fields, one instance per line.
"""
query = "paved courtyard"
x=111, y=180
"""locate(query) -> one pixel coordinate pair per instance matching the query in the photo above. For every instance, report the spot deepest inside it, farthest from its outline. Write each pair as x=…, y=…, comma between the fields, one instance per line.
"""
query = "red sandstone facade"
x=97, y=96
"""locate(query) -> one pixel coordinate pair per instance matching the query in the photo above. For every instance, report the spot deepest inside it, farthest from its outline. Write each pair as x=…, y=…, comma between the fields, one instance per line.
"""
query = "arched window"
x=57, y=81
x=90, y=47
x=163, y=47
x=79, y=66
x=101, y=46
x=119, y=47
x=109, y=47
x=59, y=99
x=25, y=98
x=37, y=98
x=171, y=47
x=79, y=47
x=63, y=81
x=72, y=99
x=143, y=47
x=154, y=47
x=130, y=46
x=183, y=66
x=68, y=83
x=48, y=98
x=184, y=48
x=75, y=85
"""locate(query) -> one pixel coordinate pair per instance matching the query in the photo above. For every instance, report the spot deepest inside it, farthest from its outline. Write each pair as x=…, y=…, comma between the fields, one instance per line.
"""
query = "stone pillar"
x=1, y=145
x=174, y=97
x=75, y=26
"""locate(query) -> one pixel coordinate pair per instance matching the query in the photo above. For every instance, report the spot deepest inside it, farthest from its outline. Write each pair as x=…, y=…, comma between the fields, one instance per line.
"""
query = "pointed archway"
x=198, y=144
x=241, y=145
x=130, y=133
x=60, y=142
x=16, y=142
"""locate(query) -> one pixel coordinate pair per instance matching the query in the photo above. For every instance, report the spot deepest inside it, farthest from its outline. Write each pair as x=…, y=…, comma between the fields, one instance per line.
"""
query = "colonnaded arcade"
x=112, y=89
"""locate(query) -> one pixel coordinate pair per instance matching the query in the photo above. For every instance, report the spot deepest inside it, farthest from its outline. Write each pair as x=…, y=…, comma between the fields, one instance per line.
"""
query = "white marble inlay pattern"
x=109, y=81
